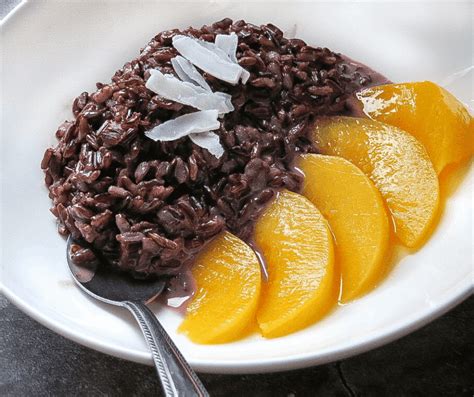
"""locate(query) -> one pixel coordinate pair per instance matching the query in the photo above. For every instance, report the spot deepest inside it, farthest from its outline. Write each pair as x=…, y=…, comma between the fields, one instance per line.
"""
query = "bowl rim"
x=458, y=293
x=370, y=341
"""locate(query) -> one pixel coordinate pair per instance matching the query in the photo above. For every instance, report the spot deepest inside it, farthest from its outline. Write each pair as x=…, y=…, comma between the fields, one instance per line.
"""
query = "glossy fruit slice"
x=296, y=244
x=228, y=279
x=396, y=163
x=356, y=214
x=428, y=112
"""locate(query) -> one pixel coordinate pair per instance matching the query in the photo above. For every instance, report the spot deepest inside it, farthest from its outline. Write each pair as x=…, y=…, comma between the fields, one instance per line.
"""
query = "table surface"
x=435, y=361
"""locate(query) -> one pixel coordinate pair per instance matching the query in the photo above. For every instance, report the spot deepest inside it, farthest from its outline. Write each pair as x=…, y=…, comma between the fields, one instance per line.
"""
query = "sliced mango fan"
x=367, y=176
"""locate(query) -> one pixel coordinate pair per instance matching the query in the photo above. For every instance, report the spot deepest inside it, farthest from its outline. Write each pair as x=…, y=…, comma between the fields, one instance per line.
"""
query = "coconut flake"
x=208, y=57
x=213, y=47
x=209, y=141
x=227, y=98
x=228, y=43
x=245, y=76
x=226, y=49
x=187, y=93
x=187, y=72
x=191, y=123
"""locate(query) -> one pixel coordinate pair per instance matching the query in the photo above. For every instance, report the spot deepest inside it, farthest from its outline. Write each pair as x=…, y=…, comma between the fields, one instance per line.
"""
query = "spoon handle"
x=176, y=376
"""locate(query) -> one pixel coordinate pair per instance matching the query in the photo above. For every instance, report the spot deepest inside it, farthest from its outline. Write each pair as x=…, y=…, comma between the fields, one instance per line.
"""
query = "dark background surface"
x=437, y=360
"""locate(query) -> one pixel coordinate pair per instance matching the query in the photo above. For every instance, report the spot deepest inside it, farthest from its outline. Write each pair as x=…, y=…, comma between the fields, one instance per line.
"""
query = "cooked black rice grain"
x=149, y=207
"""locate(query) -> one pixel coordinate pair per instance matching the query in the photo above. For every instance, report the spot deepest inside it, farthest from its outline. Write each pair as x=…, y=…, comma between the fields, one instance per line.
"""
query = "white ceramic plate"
x=52, y=51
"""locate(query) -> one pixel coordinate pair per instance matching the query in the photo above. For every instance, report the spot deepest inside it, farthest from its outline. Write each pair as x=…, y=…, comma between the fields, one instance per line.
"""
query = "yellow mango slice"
x=228, y=277
x=297, y=246
x=356, y=214
x=396, y=163
x=428, y=112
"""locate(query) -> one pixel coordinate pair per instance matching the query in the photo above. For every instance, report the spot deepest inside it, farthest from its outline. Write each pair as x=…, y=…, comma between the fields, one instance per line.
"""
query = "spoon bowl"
x=110, y=286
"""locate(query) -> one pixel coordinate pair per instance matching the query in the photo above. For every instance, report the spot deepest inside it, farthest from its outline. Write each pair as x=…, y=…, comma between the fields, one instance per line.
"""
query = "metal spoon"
x=176, y=376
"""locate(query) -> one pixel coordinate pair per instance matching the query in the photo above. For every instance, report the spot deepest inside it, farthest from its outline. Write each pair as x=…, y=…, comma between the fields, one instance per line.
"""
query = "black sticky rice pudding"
x=149, y=207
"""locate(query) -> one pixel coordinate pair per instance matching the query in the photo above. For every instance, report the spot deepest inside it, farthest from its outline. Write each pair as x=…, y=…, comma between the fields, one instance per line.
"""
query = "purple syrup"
x=354, y=107
x=179, y=291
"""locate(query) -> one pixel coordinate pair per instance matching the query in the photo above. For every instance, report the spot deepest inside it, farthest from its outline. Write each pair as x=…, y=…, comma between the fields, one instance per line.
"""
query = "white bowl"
x=52, y=51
